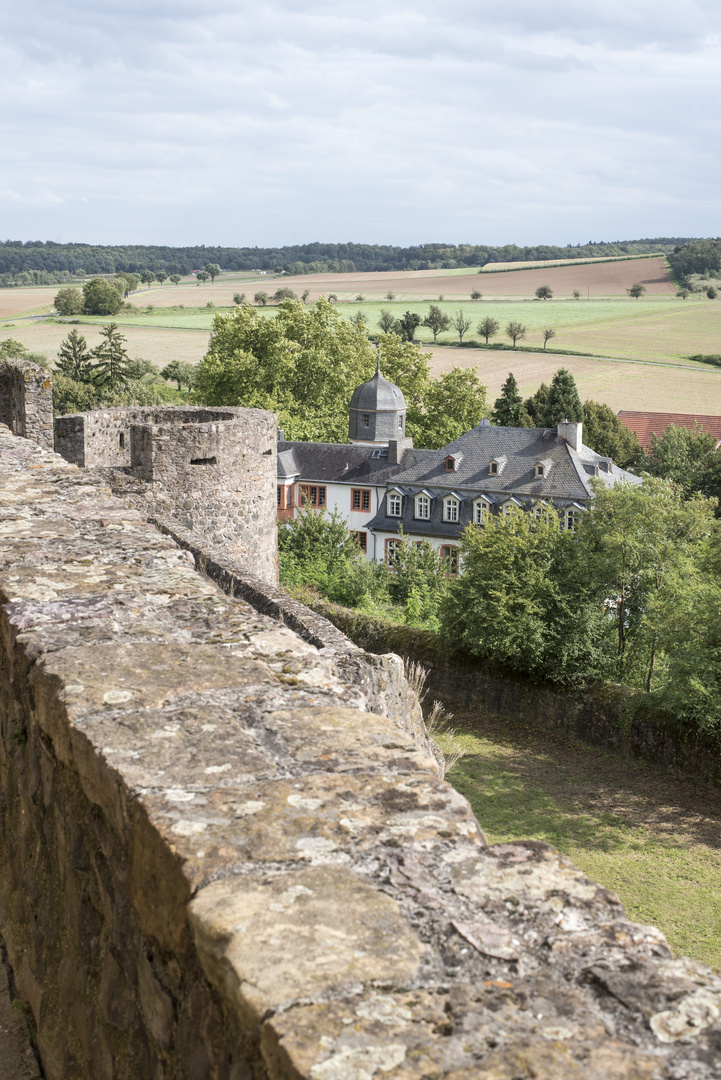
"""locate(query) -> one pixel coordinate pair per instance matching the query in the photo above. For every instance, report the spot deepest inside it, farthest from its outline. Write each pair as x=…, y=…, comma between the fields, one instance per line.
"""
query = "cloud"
x=395, y=122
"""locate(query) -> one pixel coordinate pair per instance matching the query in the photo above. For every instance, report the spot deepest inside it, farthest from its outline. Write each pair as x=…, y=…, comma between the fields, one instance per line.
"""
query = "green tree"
x=488, y=328
x=544, y=292
x=547, y=335
x=181, y=372
x=126, y=283
x=161, y=277
x=535, y=406
x=563, y=402
x=636, y=290
x=637, y=545
x=436, y=321
x=516, y=331
x=388, y=322
x=305, y=295
x=74, y=358
x=461, y=324
x=418, y=581
x=212, y=270
x=711, y=292
x=175, y=278
x=576, y=294
x=72, y=396
x=508, y=410
x=14, y=350
x=147, y=277
x=390, y=295
x=517, y=603
x=100, y=297
x=476, y=295
x=683, y=455
x=284, y=294
x=111, y=360
x=202, y=276
x=239, y=298
x=261, y=298
x=453, y=404
x=604, y=433
x=408, y=324
x=69, y=302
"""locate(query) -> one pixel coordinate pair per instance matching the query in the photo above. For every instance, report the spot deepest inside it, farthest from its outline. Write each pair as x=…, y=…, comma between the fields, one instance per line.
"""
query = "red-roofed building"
x=646, y=424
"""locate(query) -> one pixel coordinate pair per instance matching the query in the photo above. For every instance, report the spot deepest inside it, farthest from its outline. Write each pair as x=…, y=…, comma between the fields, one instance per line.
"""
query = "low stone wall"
x=380, y=678
x=215, y=863
x=26, y=400
x=612, y=716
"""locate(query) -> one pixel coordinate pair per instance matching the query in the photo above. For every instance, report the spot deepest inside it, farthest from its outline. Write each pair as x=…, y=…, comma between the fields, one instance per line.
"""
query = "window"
x=481, y=510
x=394, y=502
x=393, y=550
x=400, y=423
x=279, y=496
x=450, y=464
x=540, y=471
x=362, y=538
x=121, y=440
x=423, y=507
x=312, y=495
x=449, y=554
x=450, y=509
x=510, y=508
x=366, y=419
x=493, y=468
x=570, y=519
x=540, y=508
x=360, y=499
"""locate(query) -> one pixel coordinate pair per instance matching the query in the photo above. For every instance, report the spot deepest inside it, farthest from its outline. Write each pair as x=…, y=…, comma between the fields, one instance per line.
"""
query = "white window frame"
x=451, y=510
x=571, y=518
x=481, y=511
x=510, y=508
x=394, y=504
x=423, y=502
x=540, y=470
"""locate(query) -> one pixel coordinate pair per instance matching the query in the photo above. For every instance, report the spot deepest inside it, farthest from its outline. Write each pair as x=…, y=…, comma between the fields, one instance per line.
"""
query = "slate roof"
x=646, y=424
x=377, y=395
x=344, y=463
x=567, y=479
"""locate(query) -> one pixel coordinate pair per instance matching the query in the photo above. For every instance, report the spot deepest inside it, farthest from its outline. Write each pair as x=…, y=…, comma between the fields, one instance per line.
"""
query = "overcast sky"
x=276, y=122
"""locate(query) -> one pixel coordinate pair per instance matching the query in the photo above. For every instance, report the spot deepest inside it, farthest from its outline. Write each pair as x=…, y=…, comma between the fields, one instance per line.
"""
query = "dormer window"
x=496, y=466
x=400, y=423
x=423, y=507
x=394, y=503
x=493, y=468
x=366, y=419
x=542, y=468
x=540, y=471
x=511, y=507
x=450, y=464
x=451, y=509
x=481, y=511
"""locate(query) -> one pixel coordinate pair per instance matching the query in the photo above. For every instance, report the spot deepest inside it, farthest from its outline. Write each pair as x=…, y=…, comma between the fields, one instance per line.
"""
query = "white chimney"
x=572, y=432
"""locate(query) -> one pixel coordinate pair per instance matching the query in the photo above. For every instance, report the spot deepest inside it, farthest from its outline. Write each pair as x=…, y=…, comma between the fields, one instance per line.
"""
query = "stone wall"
x=212, y=470
x=216, y=863
x=610, y=715
x=26, y=400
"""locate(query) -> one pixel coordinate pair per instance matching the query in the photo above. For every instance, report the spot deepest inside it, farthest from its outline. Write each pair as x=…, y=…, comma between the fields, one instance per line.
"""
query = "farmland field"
x=658, y=329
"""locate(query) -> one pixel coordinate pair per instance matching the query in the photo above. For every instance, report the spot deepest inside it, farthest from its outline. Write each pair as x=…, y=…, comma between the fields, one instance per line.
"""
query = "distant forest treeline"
x=36, y=257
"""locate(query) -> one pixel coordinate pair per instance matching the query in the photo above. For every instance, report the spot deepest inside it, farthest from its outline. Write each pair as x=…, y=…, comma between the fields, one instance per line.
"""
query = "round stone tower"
x=377, y=412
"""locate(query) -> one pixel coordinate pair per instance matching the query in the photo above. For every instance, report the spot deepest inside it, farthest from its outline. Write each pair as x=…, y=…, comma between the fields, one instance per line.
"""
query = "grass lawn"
x=654, y=840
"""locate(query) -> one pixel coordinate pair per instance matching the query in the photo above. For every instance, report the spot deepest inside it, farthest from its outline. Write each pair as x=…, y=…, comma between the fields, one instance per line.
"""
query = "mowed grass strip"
x=653, y=839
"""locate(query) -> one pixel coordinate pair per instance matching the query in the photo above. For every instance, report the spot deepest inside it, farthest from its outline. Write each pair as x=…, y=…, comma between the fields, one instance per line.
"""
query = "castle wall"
x=215, y=862
x=26, y=400
x=212, y=470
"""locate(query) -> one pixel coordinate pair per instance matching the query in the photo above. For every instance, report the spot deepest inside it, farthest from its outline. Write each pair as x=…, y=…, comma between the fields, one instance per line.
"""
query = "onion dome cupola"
x=377, y=412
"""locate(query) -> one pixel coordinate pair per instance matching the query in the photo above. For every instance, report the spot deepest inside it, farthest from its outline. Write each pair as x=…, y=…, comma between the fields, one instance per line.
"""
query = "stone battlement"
x=26, y=400
x=215, y=862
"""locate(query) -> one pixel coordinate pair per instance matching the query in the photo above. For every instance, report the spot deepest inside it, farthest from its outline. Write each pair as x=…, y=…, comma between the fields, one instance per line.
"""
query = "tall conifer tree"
x=563, y=402
x=508, y=410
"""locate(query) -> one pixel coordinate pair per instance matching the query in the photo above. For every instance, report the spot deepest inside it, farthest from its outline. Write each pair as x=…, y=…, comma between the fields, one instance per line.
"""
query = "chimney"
x=397, y=448
x=572, y=432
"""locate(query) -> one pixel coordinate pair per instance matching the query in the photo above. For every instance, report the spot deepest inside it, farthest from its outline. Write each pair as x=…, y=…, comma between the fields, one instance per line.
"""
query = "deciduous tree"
x=604, y=433
x=516, y=331
x=636, y=290
x=212, y=270
x=544, y=292
x=547, y=335
x=488, y=328
x=100, y=297
x=388, y=322
x=261, y=298
x=69, y=302
x=409, y=323
x=453, y=404
x=461, y=324
x=436, y=321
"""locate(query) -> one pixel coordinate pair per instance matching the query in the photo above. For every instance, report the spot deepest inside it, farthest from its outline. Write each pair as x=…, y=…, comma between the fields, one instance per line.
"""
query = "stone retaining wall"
x=216, y=863
x=26, y=400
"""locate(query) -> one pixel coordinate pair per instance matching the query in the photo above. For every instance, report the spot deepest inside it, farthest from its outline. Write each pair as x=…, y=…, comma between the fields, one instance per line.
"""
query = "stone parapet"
x=26, y=401
x=216, y=863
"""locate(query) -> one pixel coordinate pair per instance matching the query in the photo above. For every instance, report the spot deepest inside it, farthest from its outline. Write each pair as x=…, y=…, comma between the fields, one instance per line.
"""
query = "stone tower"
x=377, y=412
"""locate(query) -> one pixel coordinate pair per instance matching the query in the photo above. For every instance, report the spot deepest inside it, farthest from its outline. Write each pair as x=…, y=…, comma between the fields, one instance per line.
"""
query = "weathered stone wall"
x=381, y=678
x=26, y=400
x=610, y=715
x=212, y=470
x=214, y=863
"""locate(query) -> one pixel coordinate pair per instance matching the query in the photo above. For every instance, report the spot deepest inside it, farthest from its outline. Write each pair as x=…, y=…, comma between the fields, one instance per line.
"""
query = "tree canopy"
x=100, y=297
x=563, y=402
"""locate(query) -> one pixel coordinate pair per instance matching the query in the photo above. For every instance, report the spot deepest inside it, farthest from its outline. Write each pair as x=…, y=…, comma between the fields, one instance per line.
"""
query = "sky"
x=278, y=121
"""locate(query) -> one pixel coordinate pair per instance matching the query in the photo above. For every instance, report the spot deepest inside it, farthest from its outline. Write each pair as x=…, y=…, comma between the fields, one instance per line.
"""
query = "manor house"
x=383, y=486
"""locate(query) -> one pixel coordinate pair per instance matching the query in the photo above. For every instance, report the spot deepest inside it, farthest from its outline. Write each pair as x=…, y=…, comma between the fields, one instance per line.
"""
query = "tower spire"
x=378, y=358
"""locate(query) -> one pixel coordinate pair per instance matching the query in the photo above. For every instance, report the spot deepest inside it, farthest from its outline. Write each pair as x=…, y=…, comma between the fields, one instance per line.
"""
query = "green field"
x=650, y=838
